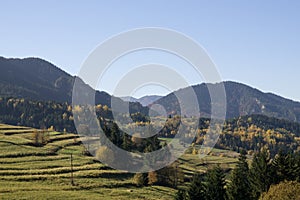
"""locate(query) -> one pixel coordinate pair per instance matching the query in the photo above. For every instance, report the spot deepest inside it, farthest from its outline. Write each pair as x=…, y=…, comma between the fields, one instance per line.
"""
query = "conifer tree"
x=215, y=184
x=280, y=165
x=296, y=166
x=239, y=186
x=196, y=190
x=260, y=173
x=286, y=166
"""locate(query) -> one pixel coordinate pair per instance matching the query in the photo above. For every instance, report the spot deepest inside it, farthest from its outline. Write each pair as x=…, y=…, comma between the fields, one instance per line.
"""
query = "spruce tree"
x=292, y=169
x=295, y=170
x=281, y=165
x=260, y=173
x=215, y=184
x=196, y=191
x=239, y=185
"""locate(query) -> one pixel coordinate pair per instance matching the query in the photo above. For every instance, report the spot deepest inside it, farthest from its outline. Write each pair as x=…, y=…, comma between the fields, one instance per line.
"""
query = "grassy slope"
x=29, y=172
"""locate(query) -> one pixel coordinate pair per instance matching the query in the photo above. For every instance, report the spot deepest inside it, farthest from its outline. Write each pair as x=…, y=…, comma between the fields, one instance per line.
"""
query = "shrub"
x=140, y=179
x=283, y=191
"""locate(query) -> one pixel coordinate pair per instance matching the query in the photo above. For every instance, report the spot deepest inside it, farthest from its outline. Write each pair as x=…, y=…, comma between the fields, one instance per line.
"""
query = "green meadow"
x=28, y=171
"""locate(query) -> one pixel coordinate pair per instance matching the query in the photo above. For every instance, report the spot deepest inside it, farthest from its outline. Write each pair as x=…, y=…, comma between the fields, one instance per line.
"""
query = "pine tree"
x=215, y=184
x=115, y=135
x=280, y=165
x=239, y=186
x=286, y=166
x=196, y=190
x=295, y=169
x=125, y=142
x=260, y=173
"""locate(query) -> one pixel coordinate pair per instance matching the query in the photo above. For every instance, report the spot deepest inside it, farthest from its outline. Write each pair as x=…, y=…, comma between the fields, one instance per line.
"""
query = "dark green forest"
x=249, y=133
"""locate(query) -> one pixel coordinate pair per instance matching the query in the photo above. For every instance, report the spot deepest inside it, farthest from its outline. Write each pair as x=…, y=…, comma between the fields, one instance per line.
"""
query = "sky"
x=253, y=42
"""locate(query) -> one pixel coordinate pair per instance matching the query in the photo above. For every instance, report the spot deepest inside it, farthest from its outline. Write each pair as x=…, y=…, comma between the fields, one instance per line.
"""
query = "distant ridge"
x=241, y=100
x=37, y=79
x=145, y=100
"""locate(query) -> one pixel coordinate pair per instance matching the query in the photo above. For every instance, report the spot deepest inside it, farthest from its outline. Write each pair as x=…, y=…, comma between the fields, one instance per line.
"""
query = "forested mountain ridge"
x=34, y=78
x=241, y=100
x=39, y=80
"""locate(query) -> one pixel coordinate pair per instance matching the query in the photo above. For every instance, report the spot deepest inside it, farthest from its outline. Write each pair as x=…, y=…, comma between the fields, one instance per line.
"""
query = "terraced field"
x=43, y=172
x=29, y=171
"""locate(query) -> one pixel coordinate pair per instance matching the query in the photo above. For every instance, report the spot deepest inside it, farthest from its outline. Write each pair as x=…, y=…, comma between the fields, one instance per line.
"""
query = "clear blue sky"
x=253, y=42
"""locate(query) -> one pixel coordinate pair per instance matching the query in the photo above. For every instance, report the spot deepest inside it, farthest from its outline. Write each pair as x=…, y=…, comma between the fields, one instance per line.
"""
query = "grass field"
x=30, y=172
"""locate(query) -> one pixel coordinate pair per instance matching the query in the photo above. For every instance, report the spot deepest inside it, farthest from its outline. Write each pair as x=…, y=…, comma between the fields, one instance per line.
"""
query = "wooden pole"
x=72, y=177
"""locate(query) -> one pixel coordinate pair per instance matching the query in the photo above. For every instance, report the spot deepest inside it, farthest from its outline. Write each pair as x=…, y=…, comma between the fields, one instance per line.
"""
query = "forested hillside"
x=249, y=132
x=38, y=80
x=240, y=100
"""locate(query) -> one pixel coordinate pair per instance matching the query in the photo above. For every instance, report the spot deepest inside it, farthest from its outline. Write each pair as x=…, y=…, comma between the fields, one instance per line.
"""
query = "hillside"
x=241, y=100
x=40, y=172
x=43, y=171
x=39, y=80
x=34, y=78
x=242, y=132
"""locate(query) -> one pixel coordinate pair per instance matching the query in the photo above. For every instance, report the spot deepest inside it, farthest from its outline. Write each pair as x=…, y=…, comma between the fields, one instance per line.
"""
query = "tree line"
x=249, y=133
x=247, y=182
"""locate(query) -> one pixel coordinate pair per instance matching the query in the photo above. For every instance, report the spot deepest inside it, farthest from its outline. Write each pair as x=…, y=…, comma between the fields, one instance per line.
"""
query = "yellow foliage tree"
x=283, y=191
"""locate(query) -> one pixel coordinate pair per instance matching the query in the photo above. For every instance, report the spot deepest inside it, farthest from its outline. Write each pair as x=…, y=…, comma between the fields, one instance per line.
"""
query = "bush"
x=283, y=191
x=140, y=179
x=152, y=178
x=40, y=138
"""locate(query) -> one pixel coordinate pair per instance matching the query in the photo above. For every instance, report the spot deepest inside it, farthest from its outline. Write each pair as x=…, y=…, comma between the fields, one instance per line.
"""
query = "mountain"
x=241, y=100
x=37, y=79
x=34, y=78
x=129, y=98
x=145, y=100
